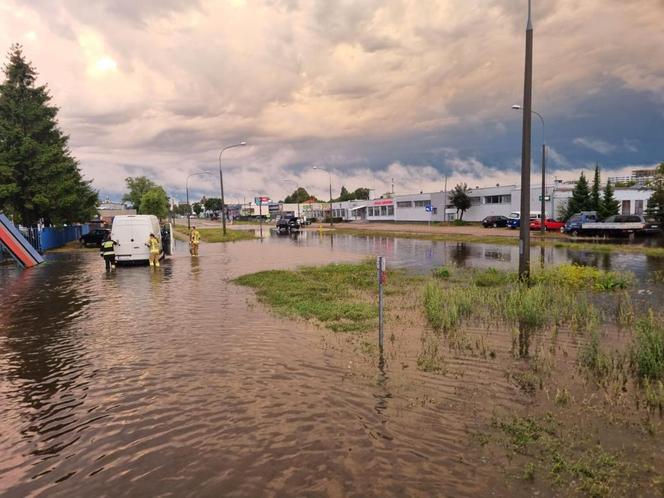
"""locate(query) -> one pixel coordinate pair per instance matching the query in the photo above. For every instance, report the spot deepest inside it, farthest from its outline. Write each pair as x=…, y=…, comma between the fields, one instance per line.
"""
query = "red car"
x=549, y=224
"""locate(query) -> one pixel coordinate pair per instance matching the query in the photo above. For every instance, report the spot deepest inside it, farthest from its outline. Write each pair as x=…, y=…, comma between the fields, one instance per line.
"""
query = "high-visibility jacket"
x=196, y=237
x=108, y=248
x=154, y=245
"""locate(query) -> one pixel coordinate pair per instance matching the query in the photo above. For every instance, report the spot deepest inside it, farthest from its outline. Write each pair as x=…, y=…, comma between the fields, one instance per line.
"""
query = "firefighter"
x=194, y=241
x=107, y=251
x=153, y=244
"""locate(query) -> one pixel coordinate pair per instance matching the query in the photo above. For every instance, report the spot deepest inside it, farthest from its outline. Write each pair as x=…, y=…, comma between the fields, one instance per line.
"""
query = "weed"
x=592, y=358
x=584, y=277
x=563, y=397
x=529, y=471
x=654, y=395
x=216, y=235
x=625, y=310
x=442, y=272
x=493, y=278
x=430, y=359
x=526, y=430
x=647, y=352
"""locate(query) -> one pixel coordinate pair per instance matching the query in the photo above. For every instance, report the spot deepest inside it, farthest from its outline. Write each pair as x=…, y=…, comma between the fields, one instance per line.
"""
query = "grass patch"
x=340, y=297
x=215, y=234
x=566, y=458
x=584, y=277
x=647, y=352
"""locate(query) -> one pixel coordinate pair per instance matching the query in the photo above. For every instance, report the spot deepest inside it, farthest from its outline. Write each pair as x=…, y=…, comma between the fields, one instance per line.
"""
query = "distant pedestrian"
x=194, y=241
x=153, y=244
x=107, y=251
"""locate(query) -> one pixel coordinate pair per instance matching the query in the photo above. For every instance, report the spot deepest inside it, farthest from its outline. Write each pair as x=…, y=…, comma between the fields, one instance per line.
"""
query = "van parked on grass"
x=132, y=232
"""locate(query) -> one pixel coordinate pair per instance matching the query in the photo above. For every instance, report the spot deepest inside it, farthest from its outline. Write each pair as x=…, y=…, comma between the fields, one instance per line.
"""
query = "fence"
x=43, y=239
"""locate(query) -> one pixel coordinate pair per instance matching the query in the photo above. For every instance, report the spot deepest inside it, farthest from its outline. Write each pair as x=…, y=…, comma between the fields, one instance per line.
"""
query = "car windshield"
x=514, y=216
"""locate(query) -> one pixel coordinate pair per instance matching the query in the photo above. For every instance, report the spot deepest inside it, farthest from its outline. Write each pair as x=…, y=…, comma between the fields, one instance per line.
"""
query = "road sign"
x=428, y=208
x=546, y=198
x=261, y=200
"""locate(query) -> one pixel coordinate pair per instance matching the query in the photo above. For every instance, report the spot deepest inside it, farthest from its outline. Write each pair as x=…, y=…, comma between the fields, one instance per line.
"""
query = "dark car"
x=494, y=221
x=94, y=237
x=288, y=224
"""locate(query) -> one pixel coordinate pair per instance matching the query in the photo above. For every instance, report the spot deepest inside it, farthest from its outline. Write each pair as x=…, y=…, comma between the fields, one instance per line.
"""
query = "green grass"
x=583, y=277
x=647, y=352
x=570, y=460
x=215, y=234
x=327, y=294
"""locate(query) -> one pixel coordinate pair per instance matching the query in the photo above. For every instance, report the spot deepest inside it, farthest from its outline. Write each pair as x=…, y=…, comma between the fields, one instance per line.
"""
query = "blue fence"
x=49, y=238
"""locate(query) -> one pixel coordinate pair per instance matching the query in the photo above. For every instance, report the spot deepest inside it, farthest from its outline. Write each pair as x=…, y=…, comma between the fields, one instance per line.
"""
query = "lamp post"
x=221, y=185
x=330, y=174
x=524, y=228
x=542, y=227
x=297, y=194
x=187, y=189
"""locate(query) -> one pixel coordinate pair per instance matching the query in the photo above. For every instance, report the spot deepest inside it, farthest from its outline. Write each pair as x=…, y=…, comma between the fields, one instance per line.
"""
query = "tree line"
x=40, y=180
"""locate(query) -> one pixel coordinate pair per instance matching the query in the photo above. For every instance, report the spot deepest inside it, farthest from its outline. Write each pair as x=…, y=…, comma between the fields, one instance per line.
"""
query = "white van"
x=132, y=233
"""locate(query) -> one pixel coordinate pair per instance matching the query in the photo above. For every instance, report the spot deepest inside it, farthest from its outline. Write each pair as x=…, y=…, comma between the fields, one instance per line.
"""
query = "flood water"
x=176, y=382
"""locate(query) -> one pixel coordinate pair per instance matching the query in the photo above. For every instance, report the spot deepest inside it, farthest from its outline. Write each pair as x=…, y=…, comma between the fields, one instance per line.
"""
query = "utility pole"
x=524, y=221
x=445, y=201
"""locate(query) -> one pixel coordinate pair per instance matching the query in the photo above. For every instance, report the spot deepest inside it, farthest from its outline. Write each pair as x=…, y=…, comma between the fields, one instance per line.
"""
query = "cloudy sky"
x=371, y=90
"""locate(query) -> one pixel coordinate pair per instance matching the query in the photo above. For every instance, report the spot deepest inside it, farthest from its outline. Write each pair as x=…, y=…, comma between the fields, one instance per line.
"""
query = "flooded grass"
x=589, y=371
x=214, y=235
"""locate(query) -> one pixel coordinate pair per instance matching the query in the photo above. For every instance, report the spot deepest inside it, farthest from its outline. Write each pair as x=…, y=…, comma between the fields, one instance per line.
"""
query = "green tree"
x=154, y=201
x=655, y=207
x=344, y=195
x=39, y=178
x=137, y=187
x=299, y=195
x=595, y=203
x=212, y=204
x=361, y=194
x=459, y=199
x=580, y=200
x=197, y=208
x=610, y=205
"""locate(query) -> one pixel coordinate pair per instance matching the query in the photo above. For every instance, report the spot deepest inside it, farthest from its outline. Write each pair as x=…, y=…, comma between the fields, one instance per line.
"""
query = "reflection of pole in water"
x=331, y=242
x=542, y=256
x=524, y=341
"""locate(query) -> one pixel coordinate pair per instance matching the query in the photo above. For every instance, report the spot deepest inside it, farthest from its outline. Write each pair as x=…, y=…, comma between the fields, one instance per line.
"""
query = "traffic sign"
x=546, y=198
x=428, y=208
x=261, y=200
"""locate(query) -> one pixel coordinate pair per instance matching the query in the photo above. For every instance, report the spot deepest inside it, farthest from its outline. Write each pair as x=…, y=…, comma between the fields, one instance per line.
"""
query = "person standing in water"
x=107, y=251
x=194, y=241
x=153, y=244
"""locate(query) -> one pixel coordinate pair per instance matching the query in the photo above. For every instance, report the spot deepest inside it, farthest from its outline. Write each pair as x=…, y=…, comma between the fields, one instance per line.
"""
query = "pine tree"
x=595, y=198
x=580, y=200
x=39, y=178
x=609, y=205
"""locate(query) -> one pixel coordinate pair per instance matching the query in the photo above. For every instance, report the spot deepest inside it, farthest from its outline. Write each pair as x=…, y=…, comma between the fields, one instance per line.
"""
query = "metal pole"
x=188, y=208
x=331, y=215
x=543, y=227
x=380, y=266
x=445, y=201
x=260, y=216
x=524, y=222
x=221, y=184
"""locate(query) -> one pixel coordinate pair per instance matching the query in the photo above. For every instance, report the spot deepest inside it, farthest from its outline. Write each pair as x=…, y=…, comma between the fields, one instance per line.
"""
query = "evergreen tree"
x=39, y=178
x=344, y=195
x=459, y=199
x=154, y=201
x=655, y=207
x=595, y=197
x=609, y=205
x=137, y=186
x=580, y=200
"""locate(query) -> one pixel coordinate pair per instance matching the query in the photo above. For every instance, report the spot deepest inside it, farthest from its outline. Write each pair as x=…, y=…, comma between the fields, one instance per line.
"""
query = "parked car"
x=288, y=224
x=649, y=224
x=494, y=221
x=549, y=224
x=94, y=237
x=514, y=218
x=573, y=225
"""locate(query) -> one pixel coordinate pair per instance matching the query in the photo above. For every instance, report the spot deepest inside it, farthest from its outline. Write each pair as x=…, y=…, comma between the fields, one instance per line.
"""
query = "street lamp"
x=524, y=228
x=221, y=185
x=330, y=174
x=517, y=107
x=297, y=194
x=187, y=188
